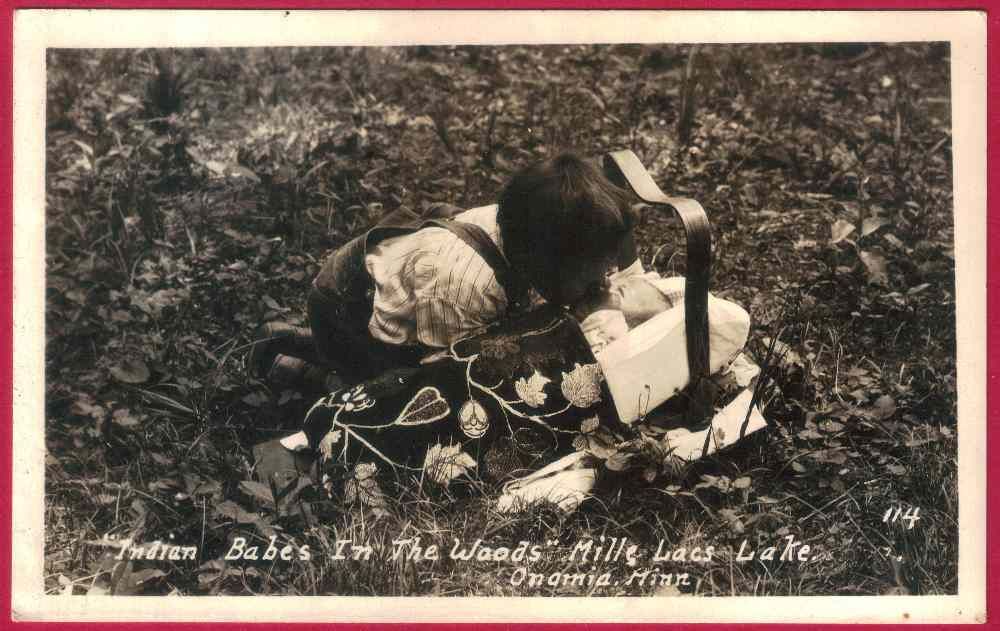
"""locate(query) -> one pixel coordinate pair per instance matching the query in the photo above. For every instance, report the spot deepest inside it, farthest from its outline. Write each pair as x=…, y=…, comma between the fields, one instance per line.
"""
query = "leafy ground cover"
x=191, y=195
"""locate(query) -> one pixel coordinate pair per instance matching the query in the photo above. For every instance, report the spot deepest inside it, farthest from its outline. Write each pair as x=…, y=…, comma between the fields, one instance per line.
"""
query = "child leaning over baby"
x=410, y=287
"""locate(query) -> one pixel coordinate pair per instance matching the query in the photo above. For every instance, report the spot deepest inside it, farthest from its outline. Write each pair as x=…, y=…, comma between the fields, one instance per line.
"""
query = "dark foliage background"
x=192, y=193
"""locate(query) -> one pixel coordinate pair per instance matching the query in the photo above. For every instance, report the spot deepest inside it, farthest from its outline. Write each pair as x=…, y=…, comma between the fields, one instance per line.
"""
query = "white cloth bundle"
x=565, y=483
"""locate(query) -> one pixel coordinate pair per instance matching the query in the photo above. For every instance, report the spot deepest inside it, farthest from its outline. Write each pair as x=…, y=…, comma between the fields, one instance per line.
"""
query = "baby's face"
x=578, y=280
x=640, y=300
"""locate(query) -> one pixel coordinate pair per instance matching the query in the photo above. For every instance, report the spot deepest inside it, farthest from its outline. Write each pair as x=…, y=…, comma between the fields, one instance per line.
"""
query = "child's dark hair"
x=560, y=211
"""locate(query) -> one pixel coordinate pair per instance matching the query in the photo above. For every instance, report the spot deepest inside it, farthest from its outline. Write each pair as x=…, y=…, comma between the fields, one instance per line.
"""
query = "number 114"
x=911, y=516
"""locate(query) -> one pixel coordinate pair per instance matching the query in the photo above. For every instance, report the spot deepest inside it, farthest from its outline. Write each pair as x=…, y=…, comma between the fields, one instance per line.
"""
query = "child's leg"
x=296, y=373
x=340, y=307
x=279, y=338
x=343, y=274
x=343, y=343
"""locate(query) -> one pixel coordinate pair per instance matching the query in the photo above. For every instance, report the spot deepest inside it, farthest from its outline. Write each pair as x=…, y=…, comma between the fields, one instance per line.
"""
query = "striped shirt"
x=431, y=287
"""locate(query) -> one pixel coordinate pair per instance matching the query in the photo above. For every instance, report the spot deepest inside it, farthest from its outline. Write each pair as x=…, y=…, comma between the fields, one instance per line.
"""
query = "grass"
x=192, y=195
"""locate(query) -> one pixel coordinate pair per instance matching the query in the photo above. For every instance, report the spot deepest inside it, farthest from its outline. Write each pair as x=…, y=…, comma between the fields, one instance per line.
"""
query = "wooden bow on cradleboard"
x=625, y=170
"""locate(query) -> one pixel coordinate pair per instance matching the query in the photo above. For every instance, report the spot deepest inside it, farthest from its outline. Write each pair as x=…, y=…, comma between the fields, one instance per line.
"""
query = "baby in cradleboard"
x=411, y=286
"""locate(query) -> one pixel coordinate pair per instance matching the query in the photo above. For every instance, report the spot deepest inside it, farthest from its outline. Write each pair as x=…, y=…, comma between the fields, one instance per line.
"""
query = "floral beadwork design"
x=363, y=486
x=356, y=399
x=426, y=406
x=581, y=386
x=444, y=464
x=472, y=419
x=499, y=347
x=532, y=389
x=326, y=444
x=512, y=386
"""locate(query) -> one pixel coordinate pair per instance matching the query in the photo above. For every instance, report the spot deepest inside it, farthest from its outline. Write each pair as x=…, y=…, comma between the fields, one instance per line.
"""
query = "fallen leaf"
x=210, y=487
x=832, y=456
x=131, y=371
x=216, y=167
x=86, y=148
x=272, y=303
x=209, y=571
x=721, y=483
x=871, y=224
x=124, y=418
x=840, y=230
x=160, y=459
x=809, y=434
x=258, y=491
x=885, y=406
x=242, y=171
x=131, y=582
x=894, y=241
x=234, y=511
x=589, y=425
x=618, y=461
x=732, y=517
x=830, y=426
x=67, y=586
x=668, y=591
x=254, y=399
x=876, y=266
x=84, y=407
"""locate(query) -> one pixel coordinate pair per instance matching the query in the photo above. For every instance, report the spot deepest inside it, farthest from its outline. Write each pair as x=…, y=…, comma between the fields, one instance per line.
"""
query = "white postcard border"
x=35, y=30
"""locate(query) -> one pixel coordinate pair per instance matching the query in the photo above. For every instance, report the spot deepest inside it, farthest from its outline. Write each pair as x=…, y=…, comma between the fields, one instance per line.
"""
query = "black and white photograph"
x=663, y=314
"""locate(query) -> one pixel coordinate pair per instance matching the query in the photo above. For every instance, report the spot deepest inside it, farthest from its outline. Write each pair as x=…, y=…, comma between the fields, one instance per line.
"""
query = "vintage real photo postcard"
x=645, y=316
